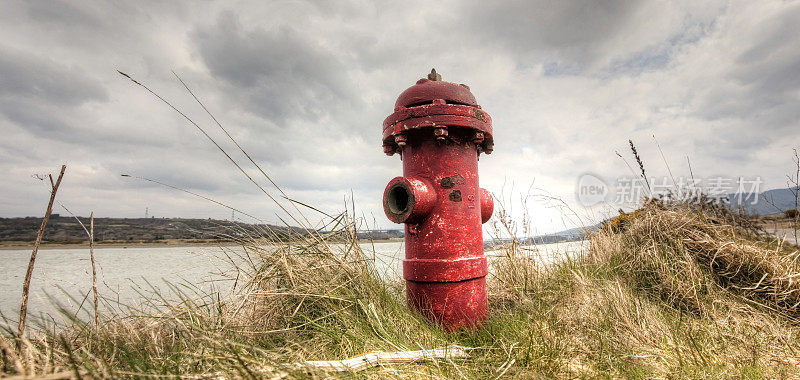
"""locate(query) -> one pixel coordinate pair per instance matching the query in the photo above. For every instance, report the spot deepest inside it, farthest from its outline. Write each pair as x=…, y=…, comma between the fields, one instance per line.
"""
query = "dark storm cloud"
x=41, y=79
x=574, y=31
x=98, y=26
x=62, y=13
x=764, y=79
x=36, y=118
x=276, y=73
x=771, y=66
x=38, y=93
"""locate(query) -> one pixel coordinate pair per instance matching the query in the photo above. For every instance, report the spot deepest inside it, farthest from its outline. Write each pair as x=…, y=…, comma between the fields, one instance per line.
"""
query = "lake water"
x=128, y=275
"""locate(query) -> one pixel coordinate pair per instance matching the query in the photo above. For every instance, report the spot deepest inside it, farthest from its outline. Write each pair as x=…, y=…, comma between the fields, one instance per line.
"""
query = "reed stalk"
x=26, y=284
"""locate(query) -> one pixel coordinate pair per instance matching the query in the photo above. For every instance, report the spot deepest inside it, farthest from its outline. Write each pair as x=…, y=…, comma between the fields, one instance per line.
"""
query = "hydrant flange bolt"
x=400, y=140
x=440, y=133
x=478, y=139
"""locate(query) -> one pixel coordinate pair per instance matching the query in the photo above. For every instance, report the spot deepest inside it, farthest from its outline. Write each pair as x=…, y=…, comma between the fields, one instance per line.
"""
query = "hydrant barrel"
x=439, y=131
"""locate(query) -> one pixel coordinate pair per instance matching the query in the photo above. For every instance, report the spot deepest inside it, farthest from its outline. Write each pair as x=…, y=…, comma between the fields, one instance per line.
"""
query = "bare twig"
x=90, y=234
x=23, y=309
x=94, y=269
x=794, y=187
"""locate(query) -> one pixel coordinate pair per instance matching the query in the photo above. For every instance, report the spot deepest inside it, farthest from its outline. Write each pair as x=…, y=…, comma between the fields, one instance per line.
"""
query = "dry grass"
x=671, y=294
x=687, y=257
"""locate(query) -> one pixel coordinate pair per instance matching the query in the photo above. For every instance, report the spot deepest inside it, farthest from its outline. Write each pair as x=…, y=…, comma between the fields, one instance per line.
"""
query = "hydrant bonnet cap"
x=433, y=103
x=426, y=90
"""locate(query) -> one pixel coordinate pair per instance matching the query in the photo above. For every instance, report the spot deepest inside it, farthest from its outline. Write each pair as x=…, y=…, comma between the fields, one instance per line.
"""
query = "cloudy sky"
x=304, y=87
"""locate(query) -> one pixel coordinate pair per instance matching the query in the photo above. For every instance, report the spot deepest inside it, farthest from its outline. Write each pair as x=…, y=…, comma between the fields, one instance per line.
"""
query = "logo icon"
x=591, y=190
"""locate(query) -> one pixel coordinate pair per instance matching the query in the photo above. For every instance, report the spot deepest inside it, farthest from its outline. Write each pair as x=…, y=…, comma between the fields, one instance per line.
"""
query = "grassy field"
x=667, y=291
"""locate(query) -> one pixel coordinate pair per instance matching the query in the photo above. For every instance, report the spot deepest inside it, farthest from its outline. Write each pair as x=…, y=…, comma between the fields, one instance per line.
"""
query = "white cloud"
x=305, y=87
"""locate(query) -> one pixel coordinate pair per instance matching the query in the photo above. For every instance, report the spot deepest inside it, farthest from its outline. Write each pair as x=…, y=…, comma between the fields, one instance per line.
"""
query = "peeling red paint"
x=439, y=131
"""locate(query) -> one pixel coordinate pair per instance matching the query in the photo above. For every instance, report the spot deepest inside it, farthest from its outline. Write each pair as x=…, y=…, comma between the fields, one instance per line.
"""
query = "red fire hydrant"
x=439, y=130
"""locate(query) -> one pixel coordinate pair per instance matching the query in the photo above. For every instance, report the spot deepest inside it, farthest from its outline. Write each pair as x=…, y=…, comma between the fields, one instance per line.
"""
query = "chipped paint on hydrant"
x=439, y=131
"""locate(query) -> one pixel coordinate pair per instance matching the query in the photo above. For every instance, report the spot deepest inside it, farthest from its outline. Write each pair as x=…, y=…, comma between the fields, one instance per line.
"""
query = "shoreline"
x=172, y=243
x=18, y=245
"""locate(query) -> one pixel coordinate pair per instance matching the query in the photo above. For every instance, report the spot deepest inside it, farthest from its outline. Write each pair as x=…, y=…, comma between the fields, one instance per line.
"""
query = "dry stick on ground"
x=23, y=309
x=356, y=364
x=378, y=358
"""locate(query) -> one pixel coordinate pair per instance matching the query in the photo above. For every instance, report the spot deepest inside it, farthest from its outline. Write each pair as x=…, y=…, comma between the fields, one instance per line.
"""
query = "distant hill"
x=380, y=234
x=63, y=229
x=769, y=202
x=572, y=234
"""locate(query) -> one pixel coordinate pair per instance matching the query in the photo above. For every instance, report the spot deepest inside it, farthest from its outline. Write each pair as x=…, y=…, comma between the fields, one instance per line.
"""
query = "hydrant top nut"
x=426, y=91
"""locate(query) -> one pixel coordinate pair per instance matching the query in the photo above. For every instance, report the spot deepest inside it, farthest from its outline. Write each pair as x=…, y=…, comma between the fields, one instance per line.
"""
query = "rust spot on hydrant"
x=439, y=129
x=448, y=182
